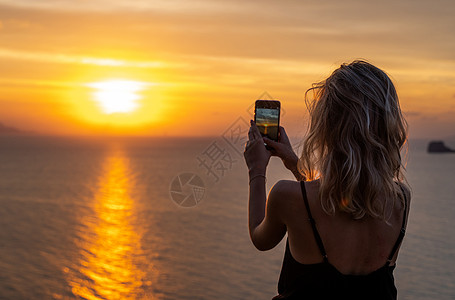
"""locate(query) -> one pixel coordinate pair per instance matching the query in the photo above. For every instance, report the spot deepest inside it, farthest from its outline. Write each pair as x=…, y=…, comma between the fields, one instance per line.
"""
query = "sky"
x=192, y=67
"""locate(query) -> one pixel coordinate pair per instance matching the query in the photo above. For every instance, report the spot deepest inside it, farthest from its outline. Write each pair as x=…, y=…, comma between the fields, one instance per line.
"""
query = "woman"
x=346, y=217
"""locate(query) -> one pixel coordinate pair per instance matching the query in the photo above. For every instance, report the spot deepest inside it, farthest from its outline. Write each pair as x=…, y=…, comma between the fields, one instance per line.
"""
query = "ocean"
x=166, y=218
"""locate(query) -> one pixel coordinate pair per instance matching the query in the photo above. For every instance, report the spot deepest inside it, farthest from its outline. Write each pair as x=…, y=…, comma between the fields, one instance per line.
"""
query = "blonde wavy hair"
x=354, y=142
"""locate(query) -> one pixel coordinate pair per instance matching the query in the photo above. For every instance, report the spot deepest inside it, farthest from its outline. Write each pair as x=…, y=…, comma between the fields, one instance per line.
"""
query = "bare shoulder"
x=285, y=188
x=285, y=195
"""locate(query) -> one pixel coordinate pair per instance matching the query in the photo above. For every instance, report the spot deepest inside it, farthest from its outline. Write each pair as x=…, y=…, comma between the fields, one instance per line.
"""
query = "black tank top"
x=324, y=281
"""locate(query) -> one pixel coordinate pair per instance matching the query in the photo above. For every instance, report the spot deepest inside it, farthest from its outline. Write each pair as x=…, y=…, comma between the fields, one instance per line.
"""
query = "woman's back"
x=352, y=246
x=356, y=262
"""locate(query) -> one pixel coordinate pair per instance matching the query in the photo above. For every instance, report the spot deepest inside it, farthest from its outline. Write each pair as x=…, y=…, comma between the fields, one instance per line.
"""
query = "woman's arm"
x=266, y=224
x=266, y=229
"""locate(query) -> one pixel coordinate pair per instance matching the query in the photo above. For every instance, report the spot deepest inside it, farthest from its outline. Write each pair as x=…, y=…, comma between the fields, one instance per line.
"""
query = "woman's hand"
x=256, y=155
x=283, y=150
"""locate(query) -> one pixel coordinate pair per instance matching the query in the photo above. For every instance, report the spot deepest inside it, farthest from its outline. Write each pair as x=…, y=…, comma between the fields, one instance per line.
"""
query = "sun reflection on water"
x=112, y=264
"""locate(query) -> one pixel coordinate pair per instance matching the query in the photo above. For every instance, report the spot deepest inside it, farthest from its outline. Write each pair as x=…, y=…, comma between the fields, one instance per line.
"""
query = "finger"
x=272, y=144
x=255, y=130
x=250, y=133
x=253, y=145
x=283, y=135
x=257, y=141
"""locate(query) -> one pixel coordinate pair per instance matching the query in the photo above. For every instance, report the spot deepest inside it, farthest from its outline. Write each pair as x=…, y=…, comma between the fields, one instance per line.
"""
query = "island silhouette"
x=438, y=147
x=8, y=130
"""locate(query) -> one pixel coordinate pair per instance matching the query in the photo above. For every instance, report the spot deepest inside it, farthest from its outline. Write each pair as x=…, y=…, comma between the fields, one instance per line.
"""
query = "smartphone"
x=267, y=117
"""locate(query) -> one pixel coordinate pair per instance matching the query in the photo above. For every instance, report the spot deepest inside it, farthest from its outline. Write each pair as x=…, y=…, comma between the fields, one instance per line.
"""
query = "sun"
x=117, y=96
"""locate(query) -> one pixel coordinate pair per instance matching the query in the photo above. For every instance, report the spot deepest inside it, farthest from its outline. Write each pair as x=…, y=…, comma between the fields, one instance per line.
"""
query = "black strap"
x=317, y=237
x=402, y=231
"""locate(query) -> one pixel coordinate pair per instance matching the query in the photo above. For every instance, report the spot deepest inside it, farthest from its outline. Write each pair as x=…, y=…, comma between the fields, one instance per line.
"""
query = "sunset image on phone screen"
x=267, y=122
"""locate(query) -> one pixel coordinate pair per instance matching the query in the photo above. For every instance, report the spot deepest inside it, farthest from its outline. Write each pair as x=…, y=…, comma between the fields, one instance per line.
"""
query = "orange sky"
x=202, y=63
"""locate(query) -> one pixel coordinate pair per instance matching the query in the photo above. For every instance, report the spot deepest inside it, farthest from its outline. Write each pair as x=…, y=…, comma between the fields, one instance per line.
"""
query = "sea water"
x=166, y=218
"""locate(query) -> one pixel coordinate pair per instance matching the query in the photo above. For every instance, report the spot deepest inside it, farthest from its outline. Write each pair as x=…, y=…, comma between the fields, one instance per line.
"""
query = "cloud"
x=267, y=29
x=126, y=5
x=19, y=24
x=74, y=59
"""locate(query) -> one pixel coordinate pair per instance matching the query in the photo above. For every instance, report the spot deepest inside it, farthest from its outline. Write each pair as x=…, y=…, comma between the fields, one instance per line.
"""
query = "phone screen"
x=267, y=118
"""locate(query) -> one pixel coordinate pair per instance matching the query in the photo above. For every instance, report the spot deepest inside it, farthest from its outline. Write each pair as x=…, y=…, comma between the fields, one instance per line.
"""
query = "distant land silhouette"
x=7, y=130
x=438, y=147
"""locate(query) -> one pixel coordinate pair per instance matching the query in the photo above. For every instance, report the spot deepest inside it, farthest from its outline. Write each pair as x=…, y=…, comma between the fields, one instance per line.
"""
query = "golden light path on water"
x=112, y=264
